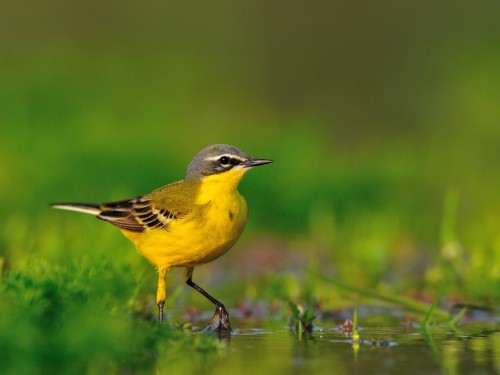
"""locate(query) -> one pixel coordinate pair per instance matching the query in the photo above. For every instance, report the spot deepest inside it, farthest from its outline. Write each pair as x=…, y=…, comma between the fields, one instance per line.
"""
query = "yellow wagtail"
x=186, y=223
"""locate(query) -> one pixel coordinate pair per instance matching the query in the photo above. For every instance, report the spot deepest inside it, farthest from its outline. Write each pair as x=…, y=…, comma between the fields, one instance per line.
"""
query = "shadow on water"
x=386, y=346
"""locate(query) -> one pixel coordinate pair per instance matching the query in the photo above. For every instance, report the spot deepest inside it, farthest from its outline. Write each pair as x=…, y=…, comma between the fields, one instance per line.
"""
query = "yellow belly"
x=200, y=237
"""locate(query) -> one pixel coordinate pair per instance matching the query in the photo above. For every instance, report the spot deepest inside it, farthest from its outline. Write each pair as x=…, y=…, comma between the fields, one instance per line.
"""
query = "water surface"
x=387, y=346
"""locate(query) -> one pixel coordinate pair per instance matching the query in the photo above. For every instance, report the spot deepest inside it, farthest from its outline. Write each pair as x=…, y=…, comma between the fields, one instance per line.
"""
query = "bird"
x=187, y=223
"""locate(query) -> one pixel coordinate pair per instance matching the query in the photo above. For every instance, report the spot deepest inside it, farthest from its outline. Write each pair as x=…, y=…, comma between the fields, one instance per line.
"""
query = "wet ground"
x=387, y=345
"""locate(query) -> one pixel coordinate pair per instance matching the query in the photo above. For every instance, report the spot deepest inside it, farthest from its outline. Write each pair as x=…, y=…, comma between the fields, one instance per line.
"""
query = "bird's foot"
x=220, y=322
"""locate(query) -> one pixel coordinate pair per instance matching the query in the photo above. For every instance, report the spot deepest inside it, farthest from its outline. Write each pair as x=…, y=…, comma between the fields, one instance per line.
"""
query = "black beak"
x=255, y=162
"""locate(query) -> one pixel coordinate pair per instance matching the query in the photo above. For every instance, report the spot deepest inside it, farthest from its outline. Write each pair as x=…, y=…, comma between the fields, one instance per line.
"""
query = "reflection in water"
x=276, y=349
x=451, y=352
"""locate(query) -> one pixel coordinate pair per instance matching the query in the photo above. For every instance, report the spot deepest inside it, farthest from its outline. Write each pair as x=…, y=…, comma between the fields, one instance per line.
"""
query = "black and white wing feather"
x=137, y=215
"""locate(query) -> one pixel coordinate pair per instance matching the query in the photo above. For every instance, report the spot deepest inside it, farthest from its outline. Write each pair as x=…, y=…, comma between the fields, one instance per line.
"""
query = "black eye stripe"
x=226, y=160
x=234, y=161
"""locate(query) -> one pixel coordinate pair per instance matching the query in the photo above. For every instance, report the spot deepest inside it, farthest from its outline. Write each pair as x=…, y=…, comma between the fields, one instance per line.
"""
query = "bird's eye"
x=224, y=160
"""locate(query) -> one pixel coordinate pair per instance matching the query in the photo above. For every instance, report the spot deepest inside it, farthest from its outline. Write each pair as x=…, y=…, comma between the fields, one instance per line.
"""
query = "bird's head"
x=220, y=159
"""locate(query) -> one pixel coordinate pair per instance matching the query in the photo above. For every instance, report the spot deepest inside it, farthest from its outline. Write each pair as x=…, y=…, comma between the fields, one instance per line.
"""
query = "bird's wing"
x=152, y=211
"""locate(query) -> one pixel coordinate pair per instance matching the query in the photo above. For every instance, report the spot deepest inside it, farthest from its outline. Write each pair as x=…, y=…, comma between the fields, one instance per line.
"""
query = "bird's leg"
x=220, y=321
x=160, y=312
x=161, y=293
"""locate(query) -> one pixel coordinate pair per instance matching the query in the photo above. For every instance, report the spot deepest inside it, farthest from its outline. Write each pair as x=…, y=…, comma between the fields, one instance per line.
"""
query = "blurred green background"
x=383, y=119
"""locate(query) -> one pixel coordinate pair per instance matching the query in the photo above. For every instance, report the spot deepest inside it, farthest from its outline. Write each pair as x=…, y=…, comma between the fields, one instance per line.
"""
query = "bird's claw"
x=220, y=322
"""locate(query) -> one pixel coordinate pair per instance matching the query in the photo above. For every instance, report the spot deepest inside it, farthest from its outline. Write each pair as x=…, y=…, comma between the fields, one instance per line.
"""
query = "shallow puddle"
x=274, y=348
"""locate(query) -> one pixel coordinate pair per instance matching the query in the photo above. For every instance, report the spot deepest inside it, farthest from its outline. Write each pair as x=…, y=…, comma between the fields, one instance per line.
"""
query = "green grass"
x=79, y=318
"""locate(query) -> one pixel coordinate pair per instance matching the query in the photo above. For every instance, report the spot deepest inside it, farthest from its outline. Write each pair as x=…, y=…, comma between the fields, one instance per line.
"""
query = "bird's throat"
x=214, y=186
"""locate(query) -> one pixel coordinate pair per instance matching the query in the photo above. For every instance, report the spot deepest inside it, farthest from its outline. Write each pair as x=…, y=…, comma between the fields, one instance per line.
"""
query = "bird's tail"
x=87, y=208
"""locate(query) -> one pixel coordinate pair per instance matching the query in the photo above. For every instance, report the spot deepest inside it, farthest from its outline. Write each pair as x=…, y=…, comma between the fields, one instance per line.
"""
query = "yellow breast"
x=207, y=232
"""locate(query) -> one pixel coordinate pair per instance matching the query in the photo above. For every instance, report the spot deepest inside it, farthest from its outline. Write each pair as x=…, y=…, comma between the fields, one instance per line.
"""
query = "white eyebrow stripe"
x=228, y=155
